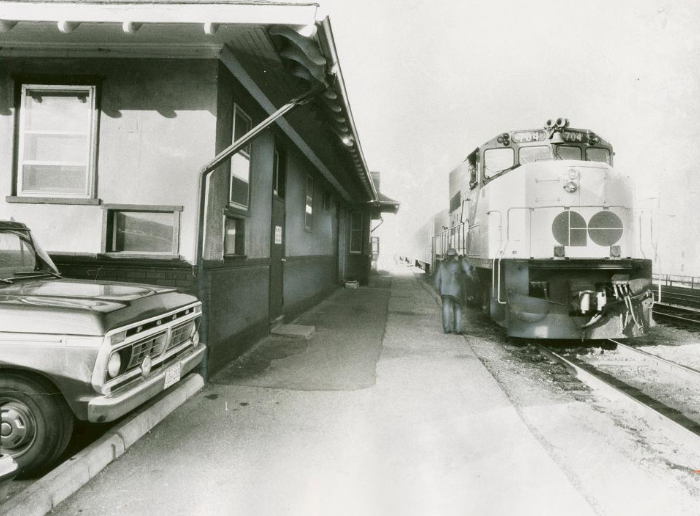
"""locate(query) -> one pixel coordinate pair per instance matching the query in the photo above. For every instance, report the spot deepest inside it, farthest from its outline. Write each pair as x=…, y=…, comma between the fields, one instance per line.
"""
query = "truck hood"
x=74, y=307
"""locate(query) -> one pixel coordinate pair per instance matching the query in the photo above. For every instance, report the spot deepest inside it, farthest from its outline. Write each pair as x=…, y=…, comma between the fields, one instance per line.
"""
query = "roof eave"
x=328, y=46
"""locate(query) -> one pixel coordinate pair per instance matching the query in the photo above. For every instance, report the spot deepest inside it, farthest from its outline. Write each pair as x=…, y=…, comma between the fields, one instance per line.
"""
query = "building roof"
x=280, y=46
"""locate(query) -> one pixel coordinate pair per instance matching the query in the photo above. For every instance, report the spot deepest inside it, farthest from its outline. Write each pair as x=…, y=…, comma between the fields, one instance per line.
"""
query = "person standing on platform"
x=449, y=282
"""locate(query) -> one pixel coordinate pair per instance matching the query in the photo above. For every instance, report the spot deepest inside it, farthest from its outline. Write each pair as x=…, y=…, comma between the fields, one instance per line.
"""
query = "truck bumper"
x=108, y=408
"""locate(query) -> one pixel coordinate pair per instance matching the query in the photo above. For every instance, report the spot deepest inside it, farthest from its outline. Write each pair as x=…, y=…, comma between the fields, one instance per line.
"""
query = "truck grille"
x=180, y=334
x=156, y=345
x=152, y=347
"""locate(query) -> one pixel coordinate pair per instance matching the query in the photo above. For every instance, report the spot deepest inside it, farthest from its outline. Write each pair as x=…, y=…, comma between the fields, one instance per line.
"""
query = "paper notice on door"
x=278, y=234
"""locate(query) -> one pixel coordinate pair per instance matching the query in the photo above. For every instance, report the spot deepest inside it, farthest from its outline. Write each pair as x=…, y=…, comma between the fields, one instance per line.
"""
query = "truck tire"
x=36, y=422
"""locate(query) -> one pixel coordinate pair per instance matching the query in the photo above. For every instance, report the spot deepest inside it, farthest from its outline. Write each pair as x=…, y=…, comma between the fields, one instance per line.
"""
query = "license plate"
x=172, y=375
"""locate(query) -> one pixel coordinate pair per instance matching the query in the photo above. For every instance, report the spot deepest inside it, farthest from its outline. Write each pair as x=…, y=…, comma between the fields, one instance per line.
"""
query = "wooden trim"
x=308, y=258
x=23, y=199
x=139, y=256
x=232, y=211
x=119, y=260
x=236, y=263
x=143, y=207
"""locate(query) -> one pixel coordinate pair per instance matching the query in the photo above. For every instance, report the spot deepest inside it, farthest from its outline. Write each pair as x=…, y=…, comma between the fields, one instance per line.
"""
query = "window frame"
x=278, y=175
x=309, y=202
x=240, y=238
x=246, y=152
x=92, y=134
x=109, y=233
x=607, y=161
x=354, y=231
x=495, y=174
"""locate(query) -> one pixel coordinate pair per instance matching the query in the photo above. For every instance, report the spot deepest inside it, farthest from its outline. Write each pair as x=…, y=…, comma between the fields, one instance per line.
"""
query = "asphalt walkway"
x=378, y=413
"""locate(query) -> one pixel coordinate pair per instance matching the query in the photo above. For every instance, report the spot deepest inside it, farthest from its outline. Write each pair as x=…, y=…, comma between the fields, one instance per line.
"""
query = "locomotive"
x=548, y=227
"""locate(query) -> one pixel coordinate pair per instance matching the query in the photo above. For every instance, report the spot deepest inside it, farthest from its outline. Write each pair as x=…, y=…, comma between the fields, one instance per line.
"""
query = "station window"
x=149, y=230
x=239, y=191
x=56, y=141
x=356, y=232
x=278, y=175
x=234, y=236
x=309, y=209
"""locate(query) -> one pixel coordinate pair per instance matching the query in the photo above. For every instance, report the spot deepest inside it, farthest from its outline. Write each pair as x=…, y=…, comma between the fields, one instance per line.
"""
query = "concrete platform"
x=378, y=413
x=294, y=331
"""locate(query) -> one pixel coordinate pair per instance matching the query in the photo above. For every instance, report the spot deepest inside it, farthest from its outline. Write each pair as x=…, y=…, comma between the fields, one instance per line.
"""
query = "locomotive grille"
x=570, y=228
x=605, y=228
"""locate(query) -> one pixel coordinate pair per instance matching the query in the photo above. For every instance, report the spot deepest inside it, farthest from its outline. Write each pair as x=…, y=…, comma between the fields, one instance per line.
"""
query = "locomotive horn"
x=561, y=122
x=549, y=124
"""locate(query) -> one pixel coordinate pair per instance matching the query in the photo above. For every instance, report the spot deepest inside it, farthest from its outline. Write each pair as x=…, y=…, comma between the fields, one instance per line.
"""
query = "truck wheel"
x=36, y=422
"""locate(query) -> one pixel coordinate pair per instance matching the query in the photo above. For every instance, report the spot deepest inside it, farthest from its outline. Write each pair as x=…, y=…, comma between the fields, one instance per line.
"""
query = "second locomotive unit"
x=548, y=227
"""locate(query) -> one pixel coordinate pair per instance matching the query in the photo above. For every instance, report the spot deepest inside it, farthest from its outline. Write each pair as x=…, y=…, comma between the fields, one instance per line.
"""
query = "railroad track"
x=683, y=296
x=683, y=316
x=660, y=387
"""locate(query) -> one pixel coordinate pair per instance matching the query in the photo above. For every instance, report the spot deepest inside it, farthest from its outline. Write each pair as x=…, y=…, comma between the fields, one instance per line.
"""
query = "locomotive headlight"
x=574, y=174
x=571, y=186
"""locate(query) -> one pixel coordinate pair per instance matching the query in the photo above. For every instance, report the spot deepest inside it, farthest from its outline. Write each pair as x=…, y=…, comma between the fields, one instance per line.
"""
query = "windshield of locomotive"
x=602, y=155
x=532, y=154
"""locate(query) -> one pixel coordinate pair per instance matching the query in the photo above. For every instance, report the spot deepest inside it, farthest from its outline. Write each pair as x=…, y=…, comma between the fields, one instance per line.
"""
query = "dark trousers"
x=451, y=314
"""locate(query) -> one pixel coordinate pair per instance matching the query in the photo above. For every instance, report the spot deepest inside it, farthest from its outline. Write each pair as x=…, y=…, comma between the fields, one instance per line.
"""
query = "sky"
x=428, y=81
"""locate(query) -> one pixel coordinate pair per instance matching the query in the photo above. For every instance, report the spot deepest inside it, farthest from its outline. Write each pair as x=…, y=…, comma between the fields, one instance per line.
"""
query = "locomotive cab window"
x=600, y=155
x=498, y=160
x=567, y=152
x=536, y=153
x=473, y=167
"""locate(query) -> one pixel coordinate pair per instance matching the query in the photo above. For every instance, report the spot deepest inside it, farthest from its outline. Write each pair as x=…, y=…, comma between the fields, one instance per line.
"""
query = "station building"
x=145, y=142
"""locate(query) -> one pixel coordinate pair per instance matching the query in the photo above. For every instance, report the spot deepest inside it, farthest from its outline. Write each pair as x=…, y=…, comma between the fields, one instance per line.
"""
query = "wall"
x=156, y=131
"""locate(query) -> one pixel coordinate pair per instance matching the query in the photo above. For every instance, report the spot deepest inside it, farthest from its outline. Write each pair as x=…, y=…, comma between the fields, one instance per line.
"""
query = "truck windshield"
x=19, y=256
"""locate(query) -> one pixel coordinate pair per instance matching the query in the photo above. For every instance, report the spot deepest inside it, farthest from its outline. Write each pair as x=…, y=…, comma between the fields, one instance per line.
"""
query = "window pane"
x=60, y=179
x=532, y=154
x=239, y=192
x=57, y=110
x=56, y=147
x=568, y=152
x=241, y=125
x=240, y=167
x=234, y=237
x=497, y=160
x=356, y=223
x=602, y=155
x=148, y=232
x=240, y=177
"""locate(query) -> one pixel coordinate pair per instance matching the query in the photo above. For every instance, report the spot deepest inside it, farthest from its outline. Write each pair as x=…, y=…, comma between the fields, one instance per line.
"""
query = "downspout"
x=381, y=219
x=210, y=167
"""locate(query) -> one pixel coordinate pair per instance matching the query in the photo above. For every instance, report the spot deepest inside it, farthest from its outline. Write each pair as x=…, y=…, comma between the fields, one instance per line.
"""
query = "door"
x=277, y=258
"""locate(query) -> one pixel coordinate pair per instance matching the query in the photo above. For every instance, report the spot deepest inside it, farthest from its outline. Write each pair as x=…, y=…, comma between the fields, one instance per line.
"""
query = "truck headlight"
x=195, y=339
x=114, y=365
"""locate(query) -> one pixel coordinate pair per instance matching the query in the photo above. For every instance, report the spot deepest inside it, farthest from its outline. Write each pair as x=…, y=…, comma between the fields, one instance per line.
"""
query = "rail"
x=672, y=421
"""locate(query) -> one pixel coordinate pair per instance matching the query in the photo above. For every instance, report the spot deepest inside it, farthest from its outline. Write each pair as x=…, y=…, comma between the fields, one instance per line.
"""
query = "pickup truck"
x=74, y=349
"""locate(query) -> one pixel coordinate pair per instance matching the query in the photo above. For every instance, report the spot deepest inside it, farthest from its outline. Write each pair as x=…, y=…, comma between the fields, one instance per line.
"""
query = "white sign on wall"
x=278, y=234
